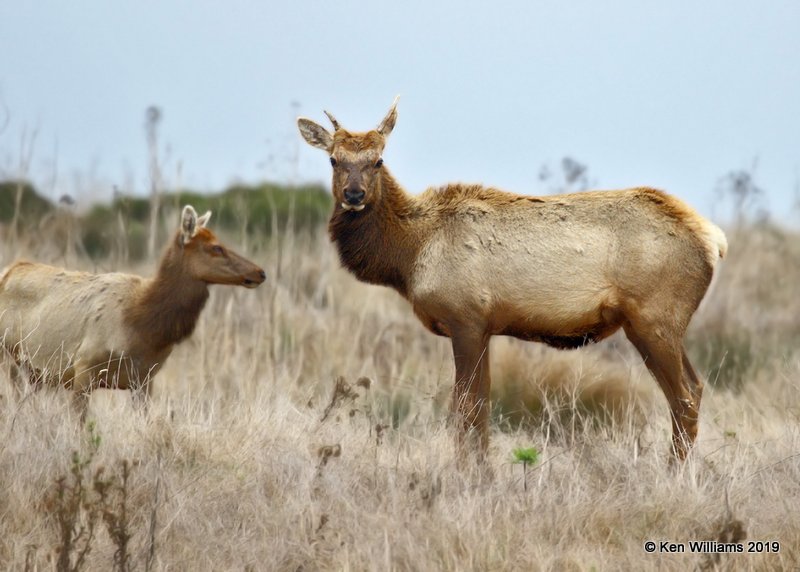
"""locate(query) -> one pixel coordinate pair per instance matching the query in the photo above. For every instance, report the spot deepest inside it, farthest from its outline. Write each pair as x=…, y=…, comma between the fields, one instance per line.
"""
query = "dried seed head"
x=327, y=451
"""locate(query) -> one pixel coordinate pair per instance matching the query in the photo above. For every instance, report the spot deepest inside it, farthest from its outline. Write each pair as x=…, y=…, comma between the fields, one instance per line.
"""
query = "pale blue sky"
x=667, y=94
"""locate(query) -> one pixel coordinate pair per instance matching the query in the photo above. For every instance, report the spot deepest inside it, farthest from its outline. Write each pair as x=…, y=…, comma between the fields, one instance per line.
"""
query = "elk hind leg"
x=666, y=359
x=696, y=384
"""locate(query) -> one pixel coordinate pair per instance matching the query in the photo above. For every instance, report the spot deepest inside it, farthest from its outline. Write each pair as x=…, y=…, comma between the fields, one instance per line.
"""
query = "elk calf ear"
x=188, y=223
x=315, y=134
x=202, y=221
x=388, y=122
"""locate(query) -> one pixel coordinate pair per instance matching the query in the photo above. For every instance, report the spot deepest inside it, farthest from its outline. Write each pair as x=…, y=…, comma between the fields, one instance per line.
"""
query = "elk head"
x=355, y=157
x=208, y=260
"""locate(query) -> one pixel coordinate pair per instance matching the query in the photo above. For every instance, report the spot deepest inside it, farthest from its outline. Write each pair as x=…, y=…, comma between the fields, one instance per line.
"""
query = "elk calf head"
x=355, y=157
x=208, y=260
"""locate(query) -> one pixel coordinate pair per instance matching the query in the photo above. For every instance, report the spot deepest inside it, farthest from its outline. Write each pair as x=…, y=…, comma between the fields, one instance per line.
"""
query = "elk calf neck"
x=565, y=270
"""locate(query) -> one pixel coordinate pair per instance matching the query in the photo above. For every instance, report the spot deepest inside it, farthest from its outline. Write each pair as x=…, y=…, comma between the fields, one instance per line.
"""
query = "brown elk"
x=87, y=331
x=565, y=270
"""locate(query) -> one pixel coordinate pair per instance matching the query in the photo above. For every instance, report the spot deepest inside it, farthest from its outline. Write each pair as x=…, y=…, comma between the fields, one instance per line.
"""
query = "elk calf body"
x=565, y=270
x=86, y=331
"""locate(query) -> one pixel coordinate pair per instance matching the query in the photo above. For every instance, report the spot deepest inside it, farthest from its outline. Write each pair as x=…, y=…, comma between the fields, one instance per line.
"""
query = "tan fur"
x=86, y=331
x=565, y=270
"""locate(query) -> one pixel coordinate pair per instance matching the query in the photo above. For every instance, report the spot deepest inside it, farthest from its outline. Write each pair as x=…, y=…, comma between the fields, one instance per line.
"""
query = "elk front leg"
x=21, y=372
x=471, y=389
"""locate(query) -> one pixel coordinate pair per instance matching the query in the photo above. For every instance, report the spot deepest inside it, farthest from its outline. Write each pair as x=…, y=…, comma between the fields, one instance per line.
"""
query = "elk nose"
x=252, y=281
x=354, y=196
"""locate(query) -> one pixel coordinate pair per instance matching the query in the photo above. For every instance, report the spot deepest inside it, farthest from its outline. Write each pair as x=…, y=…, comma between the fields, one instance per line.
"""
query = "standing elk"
x=565, y=270
x=87, y=331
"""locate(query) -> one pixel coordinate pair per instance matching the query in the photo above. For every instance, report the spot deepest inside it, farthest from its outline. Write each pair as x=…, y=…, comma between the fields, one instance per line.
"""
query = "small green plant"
x=526, y=456
x=93, y=439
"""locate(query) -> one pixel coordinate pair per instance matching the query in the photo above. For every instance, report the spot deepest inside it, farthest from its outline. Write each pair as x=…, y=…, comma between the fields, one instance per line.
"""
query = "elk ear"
x=315, y=134
x=386, y=126
x=188, y=223
x=202, y=221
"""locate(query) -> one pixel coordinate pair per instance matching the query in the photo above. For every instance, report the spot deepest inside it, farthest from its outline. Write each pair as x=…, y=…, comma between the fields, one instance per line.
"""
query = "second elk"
x=85, y=331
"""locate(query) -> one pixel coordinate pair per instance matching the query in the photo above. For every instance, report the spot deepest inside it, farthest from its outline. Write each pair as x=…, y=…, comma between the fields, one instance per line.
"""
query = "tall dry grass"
x=245, y=461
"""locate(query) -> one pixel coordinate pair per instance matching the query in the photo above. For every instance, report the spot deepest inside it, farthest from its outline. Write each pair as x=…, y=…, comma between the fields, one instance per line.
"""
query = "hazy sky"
x=668, y=94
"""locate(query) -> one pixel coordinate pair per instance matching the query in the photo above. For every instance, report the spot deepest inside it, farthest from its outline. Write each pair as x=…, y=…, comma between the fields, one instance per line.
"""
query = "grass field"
x=250, y=458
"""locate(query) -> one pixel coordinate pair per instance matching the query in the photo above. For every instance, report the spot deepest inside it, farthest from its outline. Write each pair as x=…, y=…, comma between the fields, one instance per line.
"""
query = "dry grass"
x=236, y=466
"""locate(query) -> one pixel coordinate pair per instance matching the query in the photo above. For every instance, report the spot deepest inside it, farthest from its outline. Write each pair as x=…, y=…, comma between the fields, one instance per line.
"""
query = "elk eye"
x=333, y=162
x=379, y=163
x=217, y=249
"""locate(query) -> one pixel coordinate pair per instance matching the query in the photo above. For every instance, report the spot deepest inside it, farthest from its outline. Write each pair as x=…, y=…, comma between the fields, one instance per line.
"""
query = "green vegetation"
x=122, y=225
x=525, y=456
x=32, y=205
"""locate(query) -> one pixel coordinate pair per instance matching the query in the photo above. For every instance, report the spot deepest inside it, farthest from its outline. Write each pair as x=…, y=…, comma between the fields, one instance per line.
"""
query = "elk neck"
x=169, y=304
x=380, y=244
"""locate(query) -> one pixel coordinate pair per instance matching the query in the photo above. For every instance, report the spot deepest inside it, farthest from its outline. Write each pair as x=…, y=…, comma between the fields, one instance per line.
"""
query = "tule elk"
x=565, y=270
x=86, y=331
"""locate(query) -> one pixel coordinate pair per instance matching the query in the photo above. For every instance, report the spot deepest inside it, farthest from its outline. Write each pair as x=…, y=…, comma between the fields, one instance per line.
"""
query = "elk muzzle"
x=254, y=279
x=354, y=192
x=353, y=197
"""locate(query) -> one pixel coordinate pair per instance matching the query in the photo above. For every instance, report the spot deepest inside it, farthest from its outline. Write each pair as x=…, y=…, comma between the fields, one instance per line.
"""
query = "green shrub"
x=32, y=207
